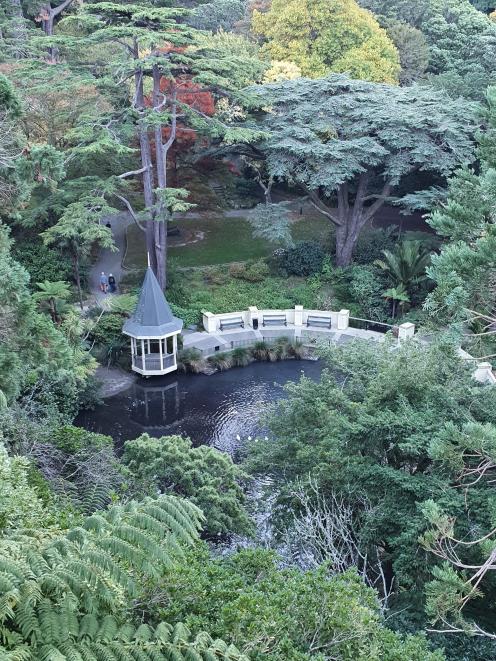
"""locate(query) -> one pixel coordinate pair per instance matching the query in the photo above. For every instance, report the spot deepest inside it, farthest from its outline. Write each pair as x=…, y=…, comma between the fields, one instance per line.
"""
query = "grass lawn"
x=226, y=240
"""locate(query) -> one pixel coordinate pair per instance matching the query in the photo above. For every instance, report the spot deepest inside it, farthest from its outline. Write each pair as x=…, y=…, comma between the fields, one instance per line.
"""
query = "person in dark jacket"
x=111, y=283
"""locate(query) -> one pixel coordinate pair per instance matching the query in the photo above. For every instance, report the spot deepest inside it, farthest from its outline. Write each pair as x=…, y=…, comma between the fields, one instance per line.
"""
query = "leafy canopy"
x=322, y=36
x=204, y=475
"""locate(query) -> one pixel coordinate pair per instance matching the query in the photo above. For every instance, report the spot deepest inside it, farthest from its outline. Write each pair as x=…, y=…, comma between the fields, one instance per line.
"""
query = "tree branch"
x=316, y=202
x=131, y=210
x=58, y=10
x=131, y=173
x=381, y=199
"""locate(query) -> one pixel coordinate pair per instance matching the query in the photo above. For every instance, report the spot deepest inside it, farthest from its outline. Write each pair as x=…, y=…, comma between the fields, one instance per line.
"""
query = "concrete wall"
x=297, y=317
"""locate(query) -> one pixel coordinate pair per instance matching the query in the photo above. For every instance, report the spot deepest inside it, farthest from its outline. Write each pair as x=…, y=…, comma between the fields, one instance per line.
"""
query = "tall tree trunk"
x=146, y=163
x=77, y=275
x=161, y=151
x=158, y=101
x=47, y=17
x=350, y=218
x=346, y=238
x=53, y=310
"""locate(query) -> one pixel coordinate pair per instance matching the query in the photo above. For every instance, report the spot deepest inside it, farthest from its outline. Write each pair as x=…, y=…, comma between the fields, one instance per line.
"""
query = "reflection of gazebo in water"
x=153, y=330
x=157, y=407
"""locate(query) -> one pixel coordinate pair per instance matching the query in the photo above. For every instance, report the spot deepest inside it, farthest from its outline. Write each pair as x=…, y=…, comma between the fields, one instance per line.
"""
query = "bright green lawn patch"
x=226, y=240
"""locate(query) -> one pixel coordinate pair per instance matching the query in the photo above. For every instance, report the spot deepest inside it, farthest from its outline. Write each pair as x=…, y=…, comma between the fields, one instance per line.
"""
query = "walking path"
x=108, y=261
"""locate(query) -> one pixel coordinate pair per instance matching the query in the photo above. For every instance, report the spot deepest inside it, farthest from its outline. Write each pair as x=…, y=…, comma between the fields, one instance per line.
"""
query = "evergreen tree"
x=350, y=145
x=152, y=46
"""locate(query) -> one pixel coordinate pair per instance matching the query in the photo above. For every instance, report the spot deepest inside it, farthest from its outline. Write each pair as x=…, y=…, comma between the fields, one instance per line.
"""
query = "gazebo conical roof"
x=152, y=316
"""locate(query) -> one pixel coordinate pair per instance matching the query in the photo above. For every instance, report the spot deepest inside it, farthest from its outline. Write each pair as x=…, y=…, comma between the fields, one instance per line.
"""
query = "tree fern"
x=87, y=639
x=63, y=598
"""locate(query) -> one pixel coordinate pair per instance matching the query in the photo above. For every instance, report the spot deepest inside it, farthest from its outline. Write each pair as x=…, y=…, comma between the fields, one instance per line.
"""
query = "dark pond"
x=216, y=410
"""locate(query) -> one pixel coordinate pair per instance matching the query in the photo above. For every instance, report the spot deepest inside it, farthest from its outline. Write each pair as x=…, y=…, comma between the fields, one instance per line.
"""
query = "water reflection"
x=217, y=410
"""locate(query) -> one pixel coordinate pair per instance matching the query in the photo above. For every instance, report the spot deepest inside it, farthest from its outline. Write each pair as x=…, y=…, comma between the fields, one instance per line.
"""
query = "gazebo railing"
x=152, y=362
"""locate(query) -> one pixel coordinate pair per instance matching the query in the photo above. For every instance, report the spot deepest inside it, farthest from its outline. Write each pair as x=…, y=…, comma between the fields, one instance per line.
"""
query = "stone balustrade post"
x=484, y=373
x=209, y=322
x=343, y=320
x=252, y=313
x=298, y=316
x=406, y=331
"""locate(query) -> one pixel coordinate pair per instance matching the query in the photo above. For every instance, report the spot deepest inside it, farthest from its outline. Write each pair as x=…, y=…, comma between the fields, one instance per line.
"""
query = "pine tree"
x=153, y=45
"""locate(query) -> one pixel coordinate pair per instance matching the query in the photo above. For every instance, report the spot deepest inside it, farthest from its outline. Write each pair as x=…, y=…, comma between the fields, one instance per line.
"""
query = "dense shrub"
x=108, y=330
x=372, y=242
x=42, y=263
x=204, y=475
x=305, y=258
x=249, y=271
x=72, y=439
x=366, y=286
x=191, y=316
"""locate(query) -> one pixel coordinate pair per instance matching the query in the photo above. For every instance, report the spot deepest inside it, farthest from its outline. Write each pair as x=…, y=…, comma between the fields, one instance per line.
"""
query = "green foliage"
x=41, y=262
x=74, y=439
x=365, y=432
x=218, y=15
x=305, y=258
x=250, y=271
x=66, y=596
x=81, y=466
x=239, y=295
x=108, y=329
x=277, y=614
x=32, y=349
x=51, y=296
x=323, y=36
x=9, y=101
x=345, y=139
x=363, y=287
x=461, y=40
x=371, y=244
x=412, y=48
x=406, y=265
x=272, y=223
x=20, y=505
x=204, y=475
x=463, y=269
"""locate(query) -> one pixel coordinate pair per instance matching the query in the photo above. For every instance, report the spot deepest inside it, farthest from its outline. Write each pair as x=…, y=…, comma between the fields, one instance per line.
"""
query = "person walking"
x=111, y=282
x=103, y=282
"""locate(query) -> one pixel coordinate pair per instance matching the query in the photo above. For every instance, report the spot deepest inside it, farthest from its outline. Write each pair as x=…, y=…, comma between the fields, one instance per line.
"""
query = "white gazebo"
x=153, y=330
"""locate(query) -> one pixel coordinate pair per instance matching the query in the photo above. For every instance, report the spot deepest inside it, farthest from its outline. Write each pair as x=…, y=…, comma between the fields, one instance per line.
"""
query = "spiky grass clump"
x=222, y=361
x=240, y=357
x=260, y=351
x=191, y=360
x=295, y=349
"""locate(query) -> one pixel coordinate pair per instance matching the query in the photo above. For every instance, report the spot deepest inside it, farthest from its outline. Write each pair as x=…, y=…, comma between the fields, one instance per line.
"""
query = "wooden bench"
x=274, y=320
x=321, y=321
x=232, y=322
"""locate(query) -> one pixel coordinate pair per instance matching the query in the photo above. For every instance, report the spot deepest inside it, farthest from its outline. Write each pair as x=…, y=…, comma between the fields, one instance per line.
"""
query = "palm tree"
x=406, y=264
x=397, y=295
x=52, y=295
